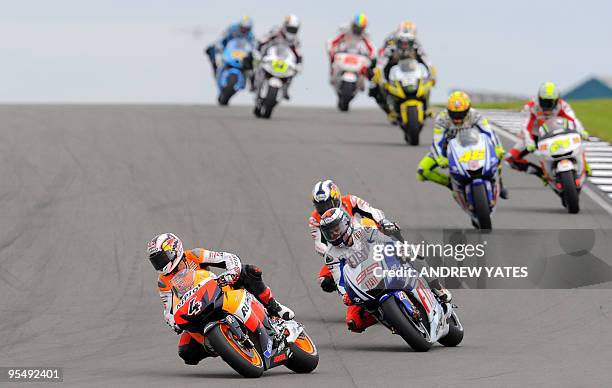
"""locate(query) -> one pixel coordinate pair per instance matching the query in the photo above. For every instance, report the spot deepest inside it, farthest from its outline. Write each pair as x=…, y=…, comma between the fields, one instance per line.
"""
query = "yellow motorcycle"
x=407, y=92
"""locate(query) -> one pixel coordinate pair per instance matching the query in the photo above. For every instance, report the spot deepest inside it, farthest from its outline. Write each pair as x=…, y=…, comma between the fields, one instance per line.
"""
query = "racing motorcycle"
x=233, y=324
x=407, y=94
x=474, y=174
x=562, y=159
x=400, y=300
x=232, y=68
x=348, y=75
x=274, y=72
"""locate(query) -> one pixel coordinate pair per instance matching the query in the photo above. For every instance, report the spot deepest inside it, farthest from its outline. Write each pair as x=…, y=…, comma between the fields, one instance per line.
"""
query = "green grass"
x=596, y=115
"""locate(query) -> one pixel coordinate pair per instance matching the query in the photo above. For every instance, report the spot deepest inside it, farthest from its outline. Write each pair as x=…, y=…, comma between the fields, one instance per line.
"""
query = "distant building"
x=593, y=87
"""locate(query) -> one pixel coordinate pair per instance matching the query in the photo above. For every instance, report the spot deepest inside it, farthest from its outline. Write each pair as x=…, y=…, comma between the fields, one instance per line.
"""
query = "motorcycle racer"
x=168, y=257
x=346, y=240
x=399, y=45
x=326, y=195
x=241, y=29
x=286, y=32
x=355, y=36
x=458, y=115
x=547, y=105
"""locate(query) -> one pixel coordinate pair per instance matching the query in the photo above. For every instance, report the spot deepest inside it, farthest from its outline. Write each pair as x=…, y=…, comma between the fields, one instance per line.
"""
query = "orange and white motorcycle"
x=233, y=324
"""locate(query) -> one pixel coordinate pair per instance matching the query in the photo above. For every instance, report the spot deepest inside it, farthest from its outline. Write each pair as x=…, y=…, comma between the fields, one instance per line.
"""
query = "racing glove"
x=442, y=161
x=226, y=279
x=327, y=284
x=584, y=134
x=531, y=147
x=500, y=151
x=169, y=318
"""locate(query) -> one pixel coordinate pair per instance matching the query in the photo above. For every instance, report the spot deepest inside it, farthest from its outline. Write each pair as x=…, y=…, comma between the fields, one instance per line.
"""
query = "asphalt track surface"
x=85, y=187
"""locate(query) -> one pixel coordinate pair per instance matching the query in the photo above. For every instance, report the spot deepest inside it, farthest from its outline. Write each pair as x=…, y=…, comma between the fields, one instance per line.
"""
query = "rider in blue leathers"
x=241, y=29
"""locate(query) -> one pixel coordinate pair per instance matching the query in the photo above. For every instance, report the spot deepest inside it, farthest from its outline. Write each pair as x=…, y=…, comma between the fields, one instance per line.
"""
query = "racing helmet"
x=336, y=226
x=405, y=37
x=548, y=97
x=245, y=24
x=458, y=107
x=290, y=28
x=359, y=24
x=326, y=195
x=165, y=252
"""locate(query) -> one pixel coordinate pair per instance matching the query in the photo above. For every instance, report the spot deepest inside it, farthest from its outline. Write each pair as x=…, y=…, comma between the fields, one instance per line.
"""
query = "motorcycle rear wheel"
x=305, y=356
x=455, y=333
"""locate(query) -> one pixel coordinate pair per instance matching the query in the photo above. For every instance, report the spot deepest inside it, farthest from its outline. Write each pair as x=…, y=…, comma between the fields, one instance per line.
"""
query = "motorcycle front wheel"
x=228, y=91
x=482, y=211
x=400, y=322
x=570, y=192
x=346, y=92
x=247, y=362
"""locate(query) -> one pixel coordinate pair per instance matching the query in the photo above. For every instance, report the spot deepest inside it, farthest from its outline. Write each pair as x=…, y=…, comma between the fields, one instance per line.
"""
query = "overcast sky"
x=151, y=50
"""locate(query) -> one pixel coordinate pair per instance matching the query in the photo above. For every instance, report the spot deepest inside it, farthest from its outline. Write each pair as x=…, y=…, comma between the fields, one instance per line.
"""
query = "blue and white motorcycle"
x=474, y=173
x=232, y=68
x=399, y=298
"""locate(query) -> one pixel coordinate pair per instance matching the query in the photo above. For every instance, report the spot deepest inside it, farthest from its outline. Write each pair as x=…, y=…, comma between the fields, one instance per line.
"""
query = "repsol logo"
x=188, y=295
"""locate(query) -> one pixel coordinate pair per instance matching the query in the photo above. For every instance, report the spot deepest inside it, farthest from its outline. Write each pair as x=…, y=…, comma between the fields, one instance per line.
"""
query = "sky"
x=151, y=51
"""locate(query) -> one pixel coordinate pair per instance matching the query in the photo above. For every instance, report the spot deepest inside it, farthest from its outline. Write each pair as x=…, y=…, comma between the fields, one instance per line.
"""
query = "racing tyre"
x=455, y=332
x=228, y=91
x=268, y=103
x=305, y=356
x=247, y=362
x=570, y=193
x=345, y=95
x=482, y=211
x=399, y=320
x=412, y=128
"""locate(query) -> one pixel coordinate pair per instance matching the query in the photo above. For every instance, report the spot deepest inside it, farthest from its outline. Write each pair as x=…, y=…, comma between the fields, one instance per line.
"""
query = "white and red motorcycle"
x=349, y=74
x=562, y=159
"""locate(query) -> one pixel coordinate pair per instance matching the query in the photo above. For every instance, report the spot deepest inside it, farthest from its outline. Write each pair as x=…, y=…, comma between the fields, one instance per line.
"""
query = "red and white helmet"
x=291, y=26
x=165, y=252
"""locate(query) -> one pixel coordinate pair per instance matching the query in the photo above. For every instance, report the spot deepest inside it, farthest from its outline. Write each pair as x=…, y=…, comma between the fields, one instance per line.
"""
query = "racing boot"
x=392, y=117
x=503, y=192
x=442, y=294
x=587, y=168
x=286, y=94
x=276, y=309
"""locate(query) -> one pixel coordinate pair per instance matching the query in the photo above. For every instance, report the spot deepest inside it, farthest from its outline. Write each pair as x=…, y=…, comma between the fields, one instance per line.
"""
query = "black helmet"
x=326, y=195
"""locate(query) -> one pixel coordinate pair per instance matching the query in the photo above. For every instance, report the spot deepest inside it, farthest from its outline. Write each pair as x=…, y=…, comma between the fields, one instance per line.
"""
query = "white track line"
x=586, y=189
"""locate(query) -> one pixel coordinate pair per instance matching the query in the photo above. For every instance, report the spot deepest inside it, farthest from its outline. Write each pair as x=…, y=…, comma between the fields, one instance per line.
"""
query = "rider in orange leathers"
x=168, y=258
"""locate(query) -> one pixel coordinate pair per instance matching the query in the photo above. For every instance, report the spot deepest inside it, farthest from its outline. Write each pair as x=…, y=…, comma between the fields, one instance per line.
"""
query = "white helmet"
x=165, y=252
x=290, y=28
